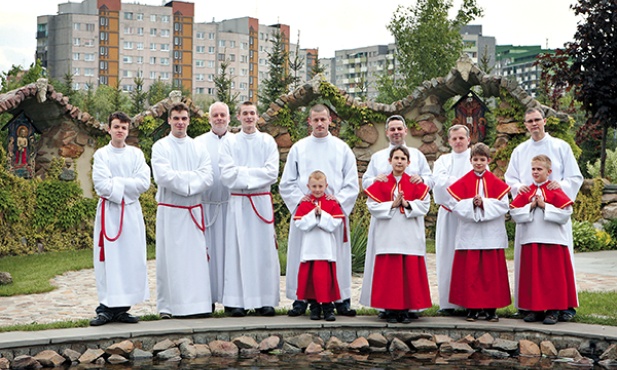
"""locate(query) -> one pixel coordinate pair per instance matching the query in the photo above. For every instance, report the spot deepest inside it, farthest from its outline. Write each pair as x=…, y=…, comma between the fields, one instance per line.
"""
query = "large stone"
x=223, y=349
x=607, y=364
x=511, y=128
x=424, y=345
x=609, y=212
x=169, y=354
x=123, y=348
x=245, y=342
x=428, y=148
x=163, y=345
x=469, y=339
x=423, y=128
x=5, y=364
x=455, y=347
x=202, y=350
x=140, y=354
x=187, y=350
x=485, y=341
x=301, y=341
x=335, y=344
x=363, y=154
x=398, y=345
x=5, y=278
x=377, y=340
x=313, y=348
x=528, y=348
x=441, y=339
x=495, y=353
x=289, y=349
x=91, y=355
x=360, y=345
x=610, y=353
x=269, y=343
x=71, y=355
x=117, y=359
x=25, y=362
x=505, y=345
x=82, y=139
x=548, y=349
x=70, y=151
x=368, y=133
x=569, y=353
x=284, y=141
x=49, y=358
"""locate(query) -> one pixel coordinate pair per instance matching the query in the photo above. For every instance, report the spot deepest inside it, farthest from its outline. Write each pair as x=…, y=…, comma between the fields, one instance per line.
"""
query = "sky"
x=325, y=24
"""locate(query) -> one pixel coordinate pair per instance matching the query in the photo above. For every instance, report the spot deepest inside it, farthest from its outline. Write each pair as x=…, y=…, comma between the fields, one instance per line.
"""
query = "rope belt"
x=250, y=196
x=103, y=235
x=217, y=211
x=201, y=226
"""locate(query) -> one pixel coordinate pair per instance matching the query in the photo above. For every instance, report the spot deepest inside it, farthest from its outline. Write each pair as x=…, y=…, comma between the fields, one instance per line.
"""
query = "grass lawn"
x=31, y=274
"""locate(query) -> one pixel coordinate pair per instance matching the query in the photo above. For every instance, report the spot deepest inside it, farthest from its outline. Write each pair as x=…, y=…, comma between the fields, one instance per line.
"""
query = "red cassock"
x=479, y=276
x=400, y=281
x=317, y=278
x=547, y=279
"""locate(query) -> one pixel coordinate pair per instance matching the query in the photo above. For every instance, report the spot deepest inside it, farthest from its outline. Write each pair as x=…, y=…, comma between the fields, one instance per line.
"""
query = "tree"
x=66, y=86
x=428, y=43
x=158, y=91
x=485, y=61
x=278, y=81
x=295, y=64
x=139, y=97
x=592, y=62
x=16, y=77
x=222, y=83
x=316, y=69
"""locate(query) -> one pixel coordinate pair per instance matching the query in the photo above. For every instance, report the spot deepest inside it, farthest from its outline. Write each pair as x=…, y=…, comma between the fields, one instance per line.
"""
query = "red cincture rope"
x=201, y=226
x=250, y=196
x=103, y=236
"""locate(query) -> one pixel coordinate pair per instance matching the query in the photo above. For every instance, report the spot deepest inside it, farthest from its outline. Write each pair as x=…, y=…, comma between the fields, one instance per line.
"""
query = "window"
x=210, y=77
x=232, y=57
x=178, y=27
x=164, y=61
x=90, y=27
x=165, y=18
x=76, y=26
x=232, y=44
x=103, y=36
x=152, y=46
x=261, y=35
x=128, y=15
x=221, y=57
x=221, y=43
x=152, y=31
x=127, y=74
x=244, y=45
x=177, y=69
x=140, y=60
x=244, y=72
x=210, y=90
x=211, y=49
x=244, y=58
x=211, y=63
x=164, y=47
x=76, y=41
x=76, y=71
x=140, y=31
x=103, y=80
x=75, y=56
x=199, y=77
x=232, y=71
x=199, y=90
x=104, y=21
x=103, y=50
x=177, y=55
x=177, y=41
x=127, y=59
x=140, y=46
x=128, y=45
x=262, y=62
x=152, y=60
x=152, y=75
x=243, y=85
x=153, y=18
x=128, y=30
x=127, y=88
x=76, y=86
x=200, y=35
x=140, y=16
x=165, y=33
x=89, y=43
x=200, y=63
x=200, y=49
x=211, y=36
x=103, y=65
x=89, y=57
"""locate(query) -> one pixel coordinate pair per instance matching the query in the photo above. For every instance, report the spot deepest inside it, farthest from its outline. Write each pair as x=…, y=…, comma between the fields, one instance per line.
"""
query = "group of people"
x=216, y=242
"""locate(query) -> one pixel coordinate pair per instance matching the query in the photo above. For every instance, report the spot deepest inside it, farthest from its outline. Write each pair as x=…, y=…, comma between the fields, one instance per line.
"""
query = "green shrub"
x=610, y=167
x=587, y=238
x=588, y=204
x=611, y=228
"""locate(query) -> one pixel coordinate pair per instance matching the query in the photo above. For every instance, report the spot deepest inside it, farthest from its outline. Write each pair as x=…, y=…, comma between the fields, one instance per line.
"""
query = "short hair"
x=218, y=103
x=401, y=148
x=395, y=117
x=246, y=104
x=480, y=150
x=535, y=109
x=458, y=127
x=179, y=107
x=317, y=175
x=319, y=108
x=544, y=159
x=120, y=116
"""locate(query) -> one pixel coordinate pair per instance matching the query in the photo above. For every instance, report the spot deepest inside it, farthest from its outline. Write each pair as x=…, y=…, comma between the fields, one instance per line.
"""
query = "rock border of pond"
x=174, y=340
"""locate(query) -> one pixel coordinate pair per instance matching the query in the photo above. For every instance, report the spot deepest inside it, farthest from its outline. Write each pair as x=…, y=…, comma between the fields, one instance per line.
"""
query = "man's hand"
x=523, y=189
x=415, y=179
x=553, y=185
x=381, y=177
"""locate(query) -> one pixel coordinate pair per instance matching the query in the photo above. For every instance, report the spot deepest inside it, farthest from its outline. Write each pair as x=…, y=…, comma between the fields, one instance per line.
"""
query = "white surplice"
x=120, y=175
x=564, y=170
x=379, y=164
x=182, y=171
x=249, y=165
x=446, y=170
x=215, y=201
x=333, y=157
x=318, y=241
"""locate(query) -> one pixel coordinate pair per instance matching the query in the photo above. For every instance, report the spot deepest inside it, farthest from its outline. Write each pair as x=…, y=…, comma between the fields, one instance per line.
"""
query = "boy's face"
x=248, y=118
x=320, y=122
x=399, y=162
x=179, y=122
x=480, y=163
x=317, y=187
x=539, y=172
x=118, y=132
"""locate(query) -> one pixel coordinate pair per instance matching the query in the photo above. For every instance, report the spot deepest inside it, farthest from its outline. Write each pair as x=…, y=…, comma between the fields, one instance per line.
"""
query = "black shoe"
x=551, y=318
x=404, y=318
x=446, y=312
x=567, y=315
x=532, y=317
x=328, y=311
x=237, y=312
x=344, y=308
x=391, y=316
x=520, y=314
x=298, y=308
x=266, y=311
x=194, y=316
x=165, y=315
x=381, y=315
x=315, y=309
x=491, y=315
x=472, y=315
x=101, y=319
x=126, y=318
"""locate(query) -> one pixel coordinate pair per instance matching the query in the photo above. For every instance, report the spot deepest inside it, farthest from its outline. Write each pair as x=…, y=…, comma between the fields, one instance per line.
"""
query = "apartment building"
x=481, y=49
x=517, y=62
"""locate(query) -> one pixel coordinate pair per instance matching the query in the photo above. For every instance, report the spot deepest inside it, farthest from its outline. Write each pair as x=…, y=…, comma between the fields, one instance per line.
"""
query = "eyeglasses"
x=533, y=120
